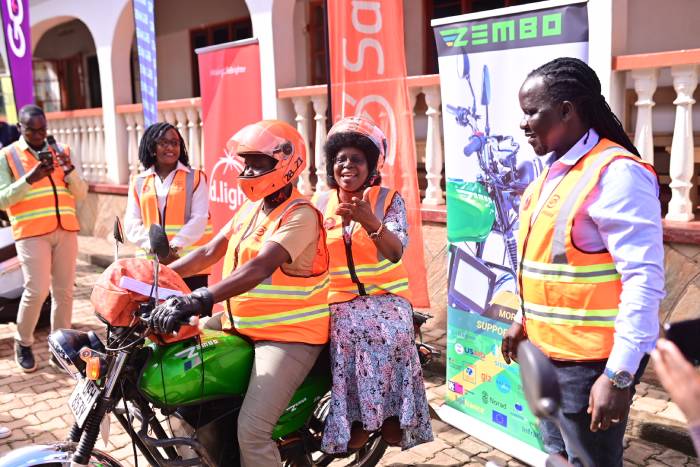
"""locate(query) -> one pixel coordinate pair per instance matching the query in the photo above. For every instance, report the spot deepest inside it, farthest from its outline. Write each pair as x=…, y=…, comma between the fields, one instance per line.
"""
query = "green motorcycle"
x=179, y=402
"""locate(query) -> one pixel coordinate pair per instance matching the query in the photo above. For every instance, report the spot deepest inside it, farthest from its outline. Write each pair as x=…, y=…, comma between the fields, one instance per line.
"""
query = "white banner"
x=484, y=58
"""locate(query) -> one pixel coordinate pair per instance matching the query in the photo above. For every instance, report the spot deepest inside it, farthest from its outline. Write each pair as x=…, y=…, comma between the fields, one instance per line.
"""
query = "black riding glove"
x=175, y=311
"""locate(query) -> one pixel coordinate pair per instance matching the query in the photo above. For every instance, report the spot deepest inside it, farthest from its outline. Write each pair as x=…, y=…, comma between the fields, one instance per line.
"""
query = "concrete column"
x=273, y=26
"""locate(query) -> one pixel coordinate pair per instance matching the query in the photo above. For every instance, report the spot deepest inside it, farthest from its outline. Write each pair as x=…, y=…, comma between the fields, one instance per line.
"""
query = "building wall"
x=174, y=20
x=658, y=26
x=65, y=40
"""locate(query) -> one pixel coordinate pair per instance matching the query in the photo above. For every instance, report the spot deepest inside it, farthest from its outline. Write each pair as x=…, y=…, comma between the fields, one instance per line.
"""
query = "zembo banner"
x=229, y=77
x=368, y=78
x=15, y=28
x=483, y=61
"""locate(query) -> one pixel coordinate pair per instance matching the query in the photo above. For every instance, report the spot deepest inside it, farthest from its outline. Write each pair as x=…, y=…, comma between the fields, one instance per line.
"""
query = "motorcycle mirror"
x=486, y=87
x=539, y=379
x=118, y=232
x=463, y=66
x=159, y=241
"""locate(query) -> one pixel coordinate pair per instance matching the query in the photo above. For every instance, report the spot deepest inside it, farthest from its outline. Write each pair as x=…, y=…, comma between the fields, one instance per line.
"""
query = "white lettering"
x=374, y=7
x=17, y=41
x=359, y=64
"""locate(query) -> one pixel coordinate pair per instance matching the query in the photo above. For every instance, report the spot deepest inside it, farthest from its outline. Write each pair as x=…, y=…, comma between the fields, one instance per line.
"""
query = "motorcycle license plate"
x=83, y=398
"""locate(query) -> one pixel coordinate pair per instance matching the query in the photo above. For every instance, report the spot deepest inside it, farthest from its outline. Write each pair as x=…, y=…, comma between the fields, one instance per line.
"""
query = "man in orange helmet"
x=276, y=238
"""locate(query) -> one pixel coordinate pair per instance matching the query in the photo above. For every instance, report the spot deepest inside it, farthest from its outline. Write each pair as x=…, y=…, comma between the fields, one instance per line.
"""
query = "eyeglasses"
x=173, y=143
x=354, y=159
x=41, y=129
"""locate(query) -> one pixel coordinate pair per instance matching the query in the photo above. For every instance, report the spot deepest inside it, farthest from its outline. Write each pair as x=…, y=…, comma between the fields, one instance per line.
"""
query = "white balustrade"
x=301, y=106
x=645, y=86
x=83, y=131
x=433, y=148
x=685, y=80
x=320, y=105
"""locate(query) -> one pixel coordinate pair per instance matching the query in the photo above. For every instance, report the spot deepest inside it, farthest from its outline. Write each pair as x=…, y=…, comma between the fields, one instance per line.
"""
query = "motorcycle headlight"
x=65, y=345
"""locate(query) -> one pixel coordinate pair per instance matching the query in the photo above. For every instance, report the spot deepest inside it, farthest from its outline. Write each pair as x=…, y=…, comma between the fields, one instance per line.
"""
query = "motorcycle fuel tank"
x=188, y=372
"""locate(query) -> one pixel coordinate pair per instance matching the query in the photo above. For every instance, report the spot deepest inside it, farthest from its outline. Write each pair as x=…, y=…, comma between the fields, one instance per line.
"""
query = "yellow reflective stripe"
x=394, y=286
x=40, y=193
x=284, y=318
x=591, y=274
x=568, y=267
x=365, y=270
x=571, y=316
x=290, y=292
x=44, y=212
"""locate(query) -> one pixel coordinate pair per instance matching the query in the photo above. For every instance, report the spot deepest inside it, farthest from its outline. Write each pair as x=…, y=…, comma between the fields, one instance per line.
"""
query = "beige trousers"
x=48, y=263
x=278, y=370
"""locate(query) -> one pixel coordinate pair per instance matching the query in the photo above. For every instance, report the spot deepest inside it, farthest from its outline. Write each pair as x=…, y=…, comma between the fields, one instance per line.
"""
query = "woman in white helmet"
x=377, y=378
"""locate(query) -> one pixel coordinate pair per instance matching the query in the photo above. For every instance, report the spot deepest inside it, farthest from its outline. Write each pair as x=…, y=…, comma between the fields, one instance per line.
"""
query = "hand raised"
x=39, y=172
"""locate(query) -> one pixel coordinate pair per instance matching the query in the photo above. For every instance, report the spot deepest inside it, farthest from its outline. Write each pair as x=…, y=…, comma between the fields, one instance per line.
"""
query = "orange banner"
x=229, y=77
x=368, y=78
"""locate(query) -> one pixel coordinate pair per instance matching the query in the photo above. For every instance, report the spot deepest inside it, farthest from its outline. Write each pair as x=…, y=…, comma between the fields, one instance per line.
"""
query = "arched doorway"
x=66, y=71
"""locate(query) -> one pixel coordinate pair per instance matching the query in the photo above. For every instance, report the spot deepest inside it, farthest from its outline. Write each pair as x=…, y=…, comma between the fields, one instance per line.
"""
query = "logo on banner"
x=508, y=30
x=15, y=35
x=223, y=187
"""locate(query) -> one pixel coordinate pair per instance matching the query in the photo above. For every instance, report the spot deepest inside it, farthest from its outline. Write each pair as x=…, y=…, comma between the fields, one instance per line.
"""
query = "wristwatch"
x=620, y=379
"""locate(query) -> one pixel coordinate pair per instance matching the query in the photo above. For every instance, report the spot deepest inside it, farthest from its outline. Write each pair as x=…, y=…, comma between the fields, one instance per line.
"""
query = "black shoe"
x=24, y=358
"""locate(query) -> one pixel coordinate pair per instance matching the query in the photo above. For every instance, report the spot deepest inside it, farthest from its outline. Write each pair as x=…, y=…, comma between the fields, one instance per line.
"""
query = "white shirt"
x=192, y=231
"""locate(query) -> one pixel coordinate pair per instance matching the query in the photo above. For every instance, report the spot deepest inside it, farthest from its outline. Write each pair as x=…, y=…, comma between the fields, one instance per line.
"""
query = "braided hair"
x=338, y=141
x=570, y=79
x=149, y=140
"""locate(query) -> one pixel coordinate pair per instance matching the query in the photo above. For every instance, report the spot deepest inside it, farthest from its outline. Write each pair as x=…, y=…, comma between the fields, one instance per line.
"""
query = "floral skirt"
x=376, y=371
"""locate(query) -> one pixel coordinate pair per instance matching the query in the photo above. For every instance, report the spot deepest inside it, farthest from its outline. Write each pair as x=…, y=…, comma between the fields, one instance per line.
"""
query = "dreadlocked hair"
x=570, y=79
x=149, y=140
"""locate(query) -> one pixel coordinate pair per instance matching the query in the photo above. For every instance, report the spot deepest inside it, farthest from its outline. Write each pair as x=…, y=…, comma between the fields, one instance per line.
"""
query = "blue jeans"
x=603, y=447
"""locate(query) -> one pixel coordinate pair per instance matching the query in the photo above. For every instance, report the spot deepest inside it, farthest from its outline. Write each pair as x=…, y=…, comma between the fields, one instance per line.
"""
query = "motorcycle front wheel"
x=53, y=455
x=367, y=456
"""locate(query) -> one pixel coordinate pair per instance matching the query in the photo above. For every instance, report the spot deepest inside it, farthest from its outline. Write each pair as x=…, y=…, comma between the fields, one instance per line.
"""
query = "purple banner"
x=15, y=22
x=146, y=46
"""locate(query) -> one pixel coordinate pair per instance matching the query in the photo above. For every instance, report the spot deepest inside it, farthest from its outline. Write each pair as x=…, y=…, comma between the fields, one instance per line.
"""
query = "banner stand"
x=492, y=436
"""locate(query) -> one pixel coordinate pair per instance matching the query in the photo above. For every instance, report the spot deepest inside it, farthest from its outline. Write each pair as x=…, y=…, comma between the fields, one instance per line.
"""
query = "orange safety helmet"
x=274, y=139
x=366, y=128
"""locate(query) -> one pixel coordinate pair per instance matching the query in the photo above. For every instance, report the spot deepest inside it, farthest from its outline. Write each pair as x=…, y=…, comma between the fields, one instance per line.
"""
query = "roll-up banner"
x=484, y=59
x=229, y=77
x=16, y=29
x=368, y=78
x=146, y=48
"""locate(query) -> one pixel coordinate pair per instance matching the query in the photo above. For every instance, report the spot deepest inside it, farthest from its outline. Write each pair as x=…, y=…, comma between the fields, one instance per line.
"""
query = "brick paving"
x=35, y=407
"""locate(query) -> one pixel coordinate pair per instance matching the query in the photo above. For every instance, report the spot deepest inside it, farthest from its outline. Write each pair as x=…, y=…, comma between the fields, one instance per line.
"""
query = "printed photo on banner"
x=488, y=165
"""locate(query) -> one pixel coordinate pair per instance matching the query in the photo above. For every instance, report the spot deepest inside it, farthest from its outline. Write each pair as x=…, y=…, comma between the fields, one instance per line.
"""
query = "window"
x=318, y=72
x=444, y=8
x=219, y=33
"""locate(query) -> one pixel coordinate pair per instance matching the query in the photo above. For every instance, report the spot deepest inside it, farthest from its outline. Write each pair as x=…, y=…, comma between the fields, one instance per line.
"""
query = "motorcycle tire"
x=367, y=456
x=53, y=455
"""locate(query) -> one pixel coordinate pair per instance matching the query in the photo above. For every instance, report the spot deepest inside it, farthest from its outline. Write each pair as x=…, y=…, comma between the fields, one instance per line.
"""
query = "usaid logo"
x=15, y=35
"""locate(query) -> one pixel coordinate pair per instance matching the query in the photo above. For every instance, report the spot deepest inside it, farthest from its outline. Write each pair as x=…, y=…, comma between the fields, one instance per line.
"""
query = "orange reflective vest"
x=570, y=298
x=359, y=268
x=47, y=206
x=177, y=210
x=282, y=308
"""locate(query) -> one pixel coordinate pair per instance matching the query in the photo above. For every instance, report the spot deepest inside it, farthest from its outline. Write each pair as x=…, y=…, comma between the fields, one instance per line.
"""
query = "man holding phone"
x=39, y=188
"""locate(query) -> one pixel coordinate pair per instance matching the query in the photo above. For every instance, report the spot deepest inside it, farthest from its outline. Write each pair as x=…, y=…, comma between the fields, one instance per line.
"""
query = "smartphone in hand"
x=46, y=158
x=686, y=336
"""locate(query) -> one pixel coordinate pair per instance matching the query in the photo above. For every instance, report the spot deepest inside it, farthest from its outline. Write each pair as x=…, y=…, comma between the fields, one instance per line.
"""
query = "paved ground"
x=34, y=406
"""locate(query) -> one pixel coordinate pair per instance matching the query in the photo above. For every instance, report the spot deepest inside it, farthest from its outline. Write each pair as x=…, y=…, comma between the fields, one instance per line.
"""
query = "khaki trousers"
x=48, y=263
x=278, y=370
